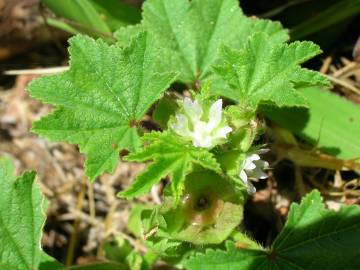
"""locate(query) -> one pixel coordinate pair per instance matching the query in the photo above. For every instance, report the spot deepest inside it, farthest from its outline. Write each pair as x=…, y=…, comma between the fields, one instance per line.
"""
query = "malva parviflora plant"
x=207, y=142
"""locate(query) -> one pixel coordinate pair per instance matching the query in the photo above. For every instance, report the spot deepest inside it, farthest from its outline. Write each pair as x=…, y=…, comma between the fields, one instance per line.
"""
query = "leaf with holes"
x=101, y=98
x=312, y=238
x=170, y=156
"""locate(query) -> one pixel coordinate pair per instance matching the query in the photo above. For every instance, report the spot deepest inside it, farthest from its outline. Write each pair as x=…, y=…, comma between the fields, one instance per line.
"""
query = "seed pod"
x=208, y=213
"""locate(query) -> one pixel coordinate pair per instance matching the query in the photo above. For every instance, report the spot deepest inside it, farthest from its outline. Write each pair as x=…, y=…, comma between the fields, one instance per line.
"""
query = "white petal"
x=250, y=188
x=192, y=109
x=258, y=173
x=215, y=113
x=196, y=142
x=200, y=138
x=254, y=157
x=248, y=165
x=243, y=176
x=181, y=125
x=199, y=126
x=181, y=120
x=261, y=164
x=222, y=132
x=262, y=151
x=188, y=103
x=202, y=142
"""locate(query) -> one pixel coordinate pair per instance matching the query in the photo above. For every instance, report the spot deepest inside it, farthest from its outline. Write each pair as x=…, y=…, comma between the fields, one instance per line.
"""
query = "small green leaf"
x=312, y=238
x=334, y=131
x=134, y=222
x=191, y=32
x=22, y=217
x=101, y=98
x=170, y=156
x=265, y=71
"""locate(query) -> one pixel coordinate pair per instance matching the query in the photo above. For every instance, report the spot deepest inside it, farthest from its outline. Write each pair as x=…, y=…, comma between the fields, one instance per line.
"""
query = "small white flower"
x=192, y=126
x=252, y=168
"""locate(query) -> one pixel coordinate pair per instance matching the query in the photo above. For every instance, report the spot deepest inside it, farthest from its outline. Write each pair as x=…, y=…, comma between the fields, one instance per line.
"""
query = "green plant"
x=208, y=146
x=93, y=17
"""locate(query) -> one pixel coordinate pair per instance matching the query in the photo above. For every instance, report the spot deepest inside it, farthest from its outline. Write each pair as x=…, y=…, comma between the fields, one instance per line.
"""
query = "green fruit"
x=209, y=211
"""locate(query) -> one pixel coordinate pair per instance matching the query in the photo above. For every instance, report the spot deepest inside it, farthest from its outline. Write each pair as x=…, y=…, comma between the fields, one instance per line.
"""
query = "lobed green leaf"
x=264, y=71
x=22, y=217
x=101, y=98
x=190, y=33
x=312, y=238
x=170, y=156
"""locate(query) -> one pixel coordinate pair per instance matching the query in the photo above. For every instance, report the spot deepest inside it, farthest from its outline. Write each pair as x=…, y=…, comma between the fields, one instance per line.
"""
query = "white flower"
x=192, y=126
x=252, y=168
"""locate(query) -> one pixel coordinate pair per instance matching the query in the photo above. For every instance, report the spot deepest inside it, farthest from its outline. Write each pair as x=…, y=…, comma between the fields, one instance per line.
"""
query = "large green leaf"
x=312, y=238
x=332, y=123
x=265, y=71
x=22, y=217
x=170, y=156
x=191, y=32
x=100, y=100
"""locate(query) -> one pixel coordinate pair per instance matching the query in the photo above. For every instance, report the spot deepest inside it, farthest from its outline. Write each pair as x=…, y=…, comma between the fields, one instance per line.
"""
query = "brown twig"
x=107, y=227
x=299, y=182
x=74, y=233
x=325, y=66
x=343, y=84
x=91, y=199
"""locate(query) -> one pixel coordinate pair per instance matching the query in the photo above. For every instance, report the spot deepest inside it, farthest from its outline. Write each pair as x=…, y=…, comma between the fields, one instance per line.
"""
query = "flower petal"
x=202, y=141
x=259, y=174
x=222, y=132
x=262, y=151
x=261, y=164
x=250, y=188
x=215, y=113
x=248, y=164
x=192, y=109
x=252, y=168
x=243, y=176
x=254, y=157
x=181, y=126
